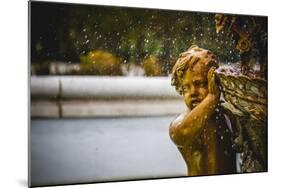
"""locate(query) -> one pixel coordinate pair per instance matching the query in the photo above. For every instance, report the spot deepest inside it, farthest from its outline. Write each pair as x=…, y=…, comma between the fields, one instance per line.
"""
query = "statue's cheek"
x=187, y=100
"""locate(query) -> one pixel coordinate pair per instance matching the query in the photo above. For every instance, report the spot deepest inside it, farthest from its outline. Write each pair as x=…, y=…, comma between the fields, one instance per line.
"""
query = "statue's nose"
x=193, y=90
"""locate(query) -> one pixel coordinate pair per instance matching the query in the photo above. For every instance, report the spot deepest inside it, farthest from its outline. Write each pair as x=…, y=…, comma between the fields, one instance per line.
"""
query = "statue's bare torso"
x=201, y=134
x=210, y=152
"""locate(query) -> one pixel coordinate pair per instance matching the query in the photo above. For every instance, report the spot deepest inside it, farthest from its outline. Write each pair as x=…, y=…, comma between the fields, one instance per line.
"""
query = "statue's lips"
x=195, y=102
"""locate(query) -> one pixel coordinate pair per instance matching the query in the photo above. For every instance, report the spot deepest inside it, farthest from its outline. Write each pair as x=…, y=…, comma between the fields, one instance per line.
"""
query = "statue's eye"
x=186, y=89
x=199, y=83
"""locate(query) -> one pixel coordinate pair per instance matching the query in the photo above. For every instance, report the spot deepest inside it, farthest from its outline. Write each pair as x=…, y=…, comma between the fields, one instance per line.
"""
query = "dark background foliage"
x=66, y=32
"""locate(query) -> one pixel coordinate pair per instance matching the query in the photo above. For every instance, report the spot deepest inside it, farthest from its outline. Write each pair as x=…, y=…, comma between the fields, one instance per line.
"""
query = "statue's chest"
x=208, y=136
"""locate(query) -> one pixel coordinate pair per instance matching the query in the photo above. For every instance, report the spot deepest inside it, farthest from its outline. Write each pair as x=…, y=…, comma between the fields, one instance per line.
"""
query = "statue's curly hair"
x=188, y=60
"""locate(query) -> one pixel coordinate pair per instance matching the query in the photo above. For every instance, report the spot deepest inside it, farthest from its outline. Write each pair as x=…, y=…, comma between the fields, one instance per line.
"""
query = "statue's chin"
x=194, y=105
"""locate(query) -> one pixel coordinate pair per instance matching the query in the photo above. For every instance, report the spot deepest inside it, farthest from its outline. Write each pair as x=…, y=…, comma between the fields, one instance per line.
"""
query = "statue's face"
x=195, y=85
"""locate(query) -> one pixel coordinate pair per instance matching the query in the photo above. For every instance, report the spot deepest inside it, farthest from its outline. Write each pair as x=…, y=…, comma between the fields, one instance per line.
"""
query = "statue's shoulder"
x=179, y=118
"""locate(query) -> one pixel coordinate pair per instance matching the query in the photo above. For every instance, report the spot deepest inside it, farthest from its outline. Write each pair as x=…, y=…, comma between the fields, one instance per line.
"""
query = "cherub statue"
x=201, y=134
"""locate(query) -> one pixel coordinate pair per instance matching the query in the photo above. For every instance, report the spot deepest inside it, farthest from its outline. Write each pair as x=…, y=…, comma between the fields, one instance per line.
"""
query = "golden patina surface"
x=201, y=135
x=216, y=99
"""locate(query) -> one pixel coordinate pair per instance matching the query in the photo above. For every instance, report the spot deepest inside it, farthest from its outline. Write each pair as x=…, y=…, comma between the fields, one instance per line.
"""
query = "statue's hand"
x=212, y=85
